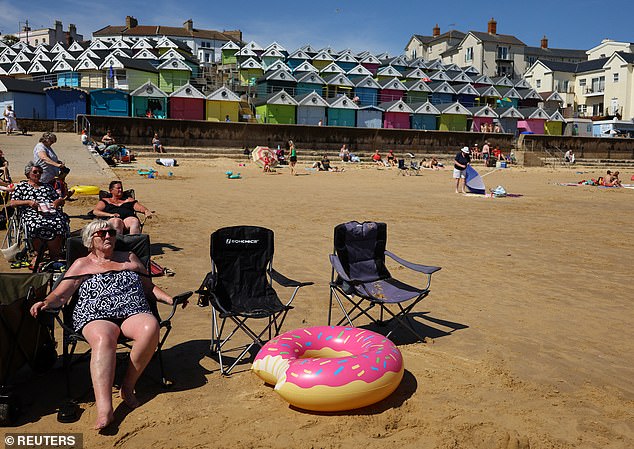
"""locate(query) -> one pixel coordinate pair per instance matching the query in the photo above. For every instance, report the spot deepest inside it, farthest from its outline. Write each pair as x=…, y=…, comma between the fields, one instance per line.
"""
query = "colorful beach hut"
x=26, y=97
x=279, y=107
x=222, y=103
x=186, y=103
x=338, y=85
x=296, y=58
x=342, y=111
x=508, y=119
x=173, y=74
x=275, y=81
x=392, y=89
x=109, y=102
x=453, y=117
x=465, y=94
x=228, y=53
x=370, y=116
x=371, y=63
x=64, y=103
x=425, y=116
x=530, y=98
x=309, y=82
x=249, y=71
x=417, y=91
x=311, y=109
x=481, y=115
x=366, y=89
x=555, y=123
x=509, y=97
x=396, y=114
x=442, y=92
x=534, y=121
x=149, y=101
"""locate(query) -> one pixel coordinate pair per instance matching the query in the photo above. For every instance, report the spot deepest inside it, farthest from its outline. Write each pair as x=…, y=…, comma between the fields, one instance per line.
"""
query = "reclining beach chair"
x=239, y=288
x=24, y=340
x=402, y=168
x=139, y=244
x=360, y=277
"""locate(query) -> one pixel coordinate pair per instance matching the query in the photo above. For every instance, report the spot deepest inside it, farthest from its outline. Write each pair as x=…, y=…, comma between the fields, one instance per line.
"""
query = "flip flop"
x=20, y=264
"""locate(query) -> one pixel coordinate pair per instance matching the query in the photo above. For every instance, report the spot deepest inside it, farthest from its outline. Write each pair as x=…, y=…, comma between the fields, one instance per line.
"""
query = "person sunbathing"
x=611, y=179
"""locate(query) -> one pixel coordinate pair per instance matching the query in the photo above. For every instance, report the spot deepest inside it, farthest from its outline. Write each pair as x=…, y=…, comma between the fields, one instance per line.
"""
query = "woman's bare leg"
x=143, y=329
x=102, y=337
x=132, y=224
x=118, y=225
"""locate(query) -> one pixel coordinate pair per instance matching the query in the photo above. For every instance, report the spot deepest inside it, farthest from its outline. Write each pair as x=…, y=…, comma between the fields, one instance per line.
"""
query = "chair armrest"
x=413, y=266
x=286, y=282
x=178, y=299
x=336, y=264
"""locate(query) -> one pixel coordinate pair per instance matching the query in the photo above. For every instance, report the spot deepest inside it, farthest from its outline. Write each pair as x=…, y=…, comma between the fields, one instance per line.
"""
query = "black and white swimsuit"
x=113, y=295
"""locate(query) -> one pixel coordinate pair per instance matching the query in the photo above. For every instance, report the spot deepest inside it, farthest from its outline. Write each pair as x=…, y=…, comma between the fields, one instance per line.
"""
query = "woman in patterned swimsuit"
x=113, y=286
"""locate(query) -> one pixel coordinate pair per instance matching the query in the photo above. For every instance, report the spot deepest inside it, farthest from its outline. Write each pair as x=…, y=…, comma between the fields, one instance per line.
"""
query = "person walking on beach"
x=44, y=156
x=293, y=157
x=460, y=164
x=9, y=116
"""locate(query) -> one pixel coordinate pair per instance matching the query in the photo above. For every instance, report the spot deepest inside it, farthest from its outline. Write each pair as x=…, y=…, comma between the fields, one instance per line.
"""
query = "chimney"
x=436, y=31
x=130, y=22
x=58, y=26
x=492, y=26
x=544, y=42
x=189, y=25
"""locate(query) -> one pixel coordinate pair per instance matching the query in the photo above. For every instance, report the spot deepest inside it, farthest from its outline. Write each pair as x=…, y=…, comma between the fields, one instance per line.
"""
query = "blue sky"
x=372, y=25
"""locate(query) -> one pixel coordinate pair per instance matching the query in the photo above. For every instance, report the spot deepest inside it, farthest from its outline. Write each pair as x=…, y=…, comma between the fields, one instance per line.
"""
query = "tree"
x=9, y=39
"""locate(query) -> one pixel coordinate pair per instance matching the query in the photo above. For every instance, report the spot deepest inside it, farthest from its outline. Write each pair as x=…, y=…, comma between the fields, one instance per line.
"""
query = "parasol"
x=260, y=153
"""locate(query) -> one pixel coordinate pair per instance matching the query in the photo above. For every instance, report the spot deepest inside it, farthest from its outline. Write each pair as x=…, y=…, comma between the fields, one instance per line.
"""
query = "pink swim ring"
x=330, y=368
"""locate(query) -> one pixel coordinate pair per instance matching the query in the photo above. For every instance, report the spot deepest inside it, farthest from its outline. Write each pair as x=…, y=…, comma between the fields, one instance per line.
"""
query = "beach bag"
x=499, y=192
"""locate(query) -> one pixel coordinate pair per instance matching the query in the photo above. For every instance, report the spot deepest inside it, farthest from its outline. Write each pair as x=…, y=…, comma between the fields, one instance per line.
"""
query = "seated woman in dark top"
x=121, y=211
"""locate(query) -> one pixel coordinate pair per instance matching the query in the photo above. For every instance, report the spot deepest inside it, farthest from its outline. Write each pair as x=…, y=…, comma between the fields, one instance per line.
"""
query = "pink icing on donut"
x=371, y=355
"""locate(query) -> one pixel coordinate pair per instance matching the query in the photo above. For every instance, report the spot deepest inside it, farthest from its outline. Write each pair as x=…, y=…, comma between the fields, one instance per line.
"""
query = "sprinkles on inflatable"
x=330, y=368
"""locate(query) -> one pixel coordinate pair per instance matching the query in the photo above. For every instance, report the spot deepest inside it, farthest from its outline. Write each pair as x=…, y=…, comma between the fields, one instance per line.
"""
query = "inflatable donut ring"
x=85, y=190
x=330, y=368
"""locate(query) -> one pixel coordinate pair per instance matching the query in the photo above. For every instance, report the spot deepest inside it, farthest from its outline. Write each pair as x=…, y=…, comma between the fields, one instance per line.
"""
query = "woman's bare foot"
x=104, y=420
x=129, y=398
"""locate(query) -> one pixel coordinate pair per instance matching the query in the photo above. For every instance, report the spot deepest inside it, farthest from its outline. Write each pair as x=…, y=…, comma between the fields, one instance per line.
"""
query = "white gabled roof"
x=323, y=56
x=510, y=112
x=342, y=102
x=75, y=46
x=246, y=51
x=443, y=87
x=453, y=109
x=37, y=67
x=272, y=53
x=418, y=86
x=18, y=68
x=254, y=46
x=120, y=43
x=299, y=54
x=435, y=65
x=57, y=48
x=166, y=42
x=452, y=67
x=6, y=59
x=174, y=64
x=359, y=70
x=230, y=45
x=64, y=66
x=149, y=89
x=416, y=72
x=41, y=56
x=471, y=70
x=370, y=59
x=483, y=111
x=21, y=57
x=483, y=79
x=305, y=67
x=312, y=99
x=250, y=64
x=466, y=89
x=462, y=78
x=347, y=57
x=274, y=46
x=367, y=83
x=556, y=117
x=396, y=106
x=394, y=84
x=282, y=98
x=111, y=60
x=339, y=80
x=144, y=53
x=142, y=43
x=279, y=65
x=310, y=78
x=87, y=64
x=171, y=53
x=388, y=71
x=522, y=84
x=503, y=81
x=188, y=91
x=489, y=91
x=427, y=108
x=332, y=68
x=99, y=45
x=554, y=97
x=534, y=113
x=440, y=76
x=223, y=94
x=280, y=75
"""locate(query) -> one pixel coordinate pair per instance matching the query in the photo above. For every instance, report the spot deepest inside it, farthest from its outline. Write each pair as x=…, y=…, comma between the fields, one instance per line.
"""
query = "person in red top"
x=376, y=157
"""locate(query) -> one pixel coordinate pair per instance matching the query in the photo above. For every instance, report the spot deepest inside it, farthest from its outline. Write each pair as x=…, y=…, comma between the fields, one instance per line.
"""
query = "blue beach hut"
x=370, y=116
x=26, y=97
x=109, y=102
x=311, y=109
x=425, y=116
x=64, y=103
x=366, y=89
x=342, y=111
x=309, y=82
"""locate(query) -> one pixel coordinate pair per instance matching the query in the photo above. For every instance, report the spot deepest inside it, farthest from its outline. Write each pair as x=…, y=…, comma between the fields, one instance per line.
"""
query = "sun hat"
x=465, y=150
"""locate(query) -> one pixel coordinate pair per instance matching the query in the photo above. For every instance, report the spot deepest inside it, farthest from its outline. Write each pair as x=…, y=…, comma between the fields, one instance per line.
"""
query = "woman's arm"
x=64, y=291
x=148, y=286
x=144, y=210
x=43, y=156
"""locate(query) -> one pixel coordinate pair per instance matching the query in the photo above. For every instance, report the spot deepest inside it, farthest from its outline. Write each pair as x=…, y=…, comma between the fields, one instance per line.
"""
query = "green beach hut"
x=228, y=53
x=453, y=117
x=555, y=123
x=173, y=74
x=250, y=70
x=279, y=107
x=342, y=111
x=149, y=99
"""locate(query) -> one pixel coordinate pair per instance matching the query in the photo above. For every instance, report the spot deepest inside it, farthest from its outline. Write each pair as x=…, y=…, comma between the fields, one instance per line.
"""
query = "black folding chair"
x=23, y=339
x=239, y=288
x=139, y=244
x=360, y=276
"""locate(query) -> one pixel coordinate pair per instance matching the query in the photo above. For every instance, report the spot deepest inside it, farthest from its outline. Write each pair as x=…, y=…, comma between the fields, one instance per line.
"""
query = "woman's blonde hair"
x=90, y=229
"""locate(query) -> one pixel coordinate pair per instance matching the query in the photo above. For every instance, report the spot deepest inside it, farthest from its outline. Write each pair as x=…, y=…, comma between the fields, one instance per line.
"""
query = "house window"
x=36, y=42
x=582, y=109
x=469, y=55
x=565, y=85
x=598, y=84
x=503, y=53
x=615, y=77
x=538, y=83
x=582, y=82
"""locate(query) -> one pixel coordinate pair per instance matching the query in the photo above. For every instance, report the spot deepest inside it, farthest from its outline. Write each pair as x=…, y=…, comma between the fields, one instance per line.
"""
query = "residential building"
x=49, y=36
x=599, y=87
x=204, y=44
x=489, y=52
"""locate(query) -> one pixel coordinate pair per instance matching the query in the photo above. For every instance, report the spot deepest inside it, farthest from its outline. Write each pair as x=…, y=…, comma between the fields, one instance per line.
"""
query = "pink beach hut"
x=397, y=114
x=534, y=121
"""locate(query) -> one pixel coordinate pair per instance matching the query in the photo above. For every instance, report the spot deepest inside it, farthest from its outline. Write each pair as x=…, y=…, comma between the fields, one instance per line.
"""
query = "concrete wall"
x=583, y=147
x=181, y=133
x=36, y=125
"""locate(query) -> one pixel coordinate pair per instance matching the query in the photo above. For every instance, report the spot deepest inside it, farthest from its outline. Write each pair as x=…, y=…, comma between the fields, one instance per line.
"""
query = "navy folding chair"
x=361, y=278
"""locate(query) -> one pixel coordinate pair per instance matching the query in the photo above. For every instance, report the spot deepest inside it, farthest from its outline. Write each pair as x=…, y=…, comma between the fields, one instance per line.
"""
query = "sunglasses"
x=103, y=232
x=37, y=172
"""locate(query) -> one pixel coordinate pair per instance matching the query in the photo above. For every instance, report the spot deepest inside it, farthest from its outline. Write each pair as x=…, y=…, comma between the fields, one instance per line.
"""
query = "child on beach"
x=60, y=186
x=157, y=145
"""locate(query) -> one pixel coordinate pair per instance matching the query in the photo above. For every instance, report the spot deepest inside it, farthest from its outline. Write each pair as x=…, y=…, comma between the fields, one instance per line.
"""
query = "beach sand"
x=529, y=340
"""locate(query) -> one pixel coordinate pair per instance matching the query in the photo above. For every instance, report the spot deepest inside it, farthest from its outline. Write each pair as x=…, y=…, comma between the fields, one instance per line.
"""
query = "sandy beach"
x=528, y=323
